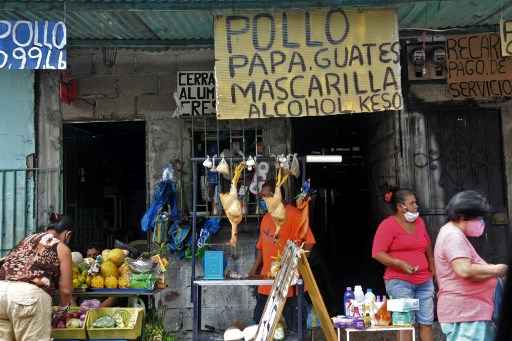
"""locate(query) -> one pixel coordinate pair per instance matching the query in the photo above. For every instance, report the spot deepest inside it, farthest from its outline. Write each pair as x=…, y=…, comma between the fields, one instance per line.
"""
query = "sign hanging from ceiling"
x=195, y=95
x=33, y=45
x=476, y=67
x=307, y=63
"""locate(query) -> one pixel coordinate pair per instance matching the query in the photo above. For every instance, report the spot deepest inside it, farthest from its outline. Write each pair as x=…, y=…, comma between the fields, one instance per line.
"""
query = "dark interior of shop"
x=341, y=214
x=104, y=181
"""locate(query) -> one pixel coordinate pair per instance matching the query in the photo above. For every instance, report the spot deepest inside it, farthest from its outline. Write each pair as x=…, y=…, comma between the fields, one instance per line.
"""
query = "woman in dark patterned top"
x=31, y=273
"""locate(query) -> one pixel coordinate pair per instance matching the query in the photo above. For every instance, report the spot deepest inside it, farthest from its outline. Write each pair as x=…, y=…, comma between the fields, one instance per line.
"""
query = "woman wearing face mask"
x=466, y=282
x=29, y=276
x=403, y=245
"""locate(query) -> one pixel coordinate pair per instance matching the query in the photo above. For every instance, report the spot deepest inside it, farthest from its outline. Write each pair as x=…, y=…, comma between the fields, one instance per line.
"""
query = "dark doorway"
x=343, y=220
x=104, y=181
x=462, y=150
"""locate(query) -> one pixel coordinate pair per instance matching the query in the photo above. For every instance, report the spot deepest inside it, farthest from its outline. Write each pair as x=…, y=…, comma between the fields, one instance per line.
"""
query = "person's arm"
x=428, y=251
x=258, y=261
x=430, y=259
x=385, y=259
x=109, y=302
x=477, y=272
x=65, y=279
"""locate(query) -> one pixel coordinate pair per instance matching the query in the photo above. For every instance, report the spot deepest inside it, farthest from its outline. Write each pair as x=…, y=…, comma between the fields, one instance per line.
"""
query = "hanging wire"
x=205, y=139
x=218, y=142
x=65, y=13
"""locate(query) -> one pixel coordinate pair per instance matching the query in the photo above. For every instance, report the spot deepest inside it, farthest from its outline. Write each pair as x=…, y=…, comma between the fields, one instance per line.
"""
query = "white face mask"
x=411, y=217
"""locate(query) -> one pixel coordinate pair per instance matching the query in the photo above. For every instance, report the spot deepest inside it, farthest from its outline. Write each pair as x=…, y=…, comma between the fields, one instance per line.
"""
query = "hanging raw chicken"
x=275, y=203
x=231, y=204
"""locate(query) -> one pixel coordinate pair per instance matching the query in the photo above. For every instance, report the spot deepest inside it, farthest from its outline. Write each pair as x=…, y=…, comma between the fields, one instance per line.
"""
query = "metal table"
x=348, y=331
x=197, y=292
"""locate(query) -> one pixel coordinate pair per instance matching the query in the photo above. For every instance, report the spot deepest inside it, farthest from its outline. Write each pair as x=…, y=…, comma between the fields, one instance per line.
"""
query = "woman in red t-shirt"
x=403, y=245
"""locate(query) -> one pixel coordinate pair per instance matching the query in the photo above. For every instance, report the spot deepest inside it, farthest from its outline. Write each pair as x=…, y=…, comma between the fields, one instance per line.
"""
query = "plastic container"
x=349, y=295
x=359, y=294
x=369, y=297
x=132, y=332
x=402, y=319
x=213, y=265
x=70, y=333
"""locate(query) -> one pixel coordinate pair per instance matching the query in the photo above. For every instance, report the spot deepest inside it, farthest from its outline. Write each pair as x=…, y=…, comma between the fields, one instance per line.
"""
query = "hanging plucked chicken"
x=231, y=204
x=275, y=204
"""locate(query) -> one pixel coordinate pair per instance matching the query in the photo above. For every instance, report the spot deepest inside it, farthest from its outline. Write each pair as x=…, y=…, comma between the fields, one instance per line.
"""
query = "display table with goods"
x=233, y=203
x=367, y=313
x=112, y=275
x=90, y=322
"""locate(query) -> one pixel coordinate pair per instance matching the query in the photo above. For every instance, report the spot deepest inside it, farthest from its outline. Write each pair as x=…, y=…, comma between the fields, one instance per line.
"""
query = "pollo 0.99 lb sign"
x=307, y=63
x=32, y=45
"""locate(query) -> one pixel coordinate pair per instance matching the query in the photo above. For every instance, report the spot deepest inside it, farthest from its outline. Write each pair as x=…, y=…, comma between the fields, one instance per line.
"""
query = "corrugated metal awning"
x=184, y=22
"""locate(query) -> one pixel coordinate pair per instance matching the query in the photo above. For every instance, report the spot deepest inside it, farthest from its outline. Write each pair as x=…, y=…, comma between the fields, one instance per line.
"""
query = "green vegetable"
x=104, y=322
x=119, y=320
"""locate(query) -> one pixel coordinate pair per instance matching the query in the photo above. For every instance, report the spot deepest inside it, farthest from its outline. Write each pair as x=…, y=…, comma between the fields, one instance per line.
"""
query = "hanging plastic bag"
x=223, y=168
x=295, y=166
x=165, y=193
x=210, y=227
x=168, y=173
x=178, y=234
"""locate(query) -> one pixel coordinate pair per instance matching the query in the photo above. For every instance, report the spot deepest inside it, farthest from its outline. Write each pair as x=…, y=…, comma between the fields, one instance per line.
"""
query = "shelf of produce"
x=115, y=292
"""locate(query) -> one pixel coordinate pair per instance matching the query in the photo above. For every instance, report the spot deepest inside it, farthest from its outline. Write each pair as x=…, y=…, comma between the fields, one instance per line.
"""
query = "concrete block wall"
x=134, y=84
x=140, y=86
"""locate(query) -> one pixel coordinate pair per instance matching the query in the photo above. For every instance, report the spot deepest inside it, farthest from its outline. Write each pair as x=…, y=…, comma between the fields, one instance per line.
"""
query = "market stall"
x=368, y=313
x=99, y=287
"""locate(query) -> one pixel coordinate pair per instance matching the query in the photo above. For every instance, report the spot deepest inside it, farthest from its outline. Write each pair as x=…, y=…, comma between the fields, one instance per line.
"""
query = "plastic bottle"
x=359, y=294
x=369, y=297
x=367, y=320
x=349, y=295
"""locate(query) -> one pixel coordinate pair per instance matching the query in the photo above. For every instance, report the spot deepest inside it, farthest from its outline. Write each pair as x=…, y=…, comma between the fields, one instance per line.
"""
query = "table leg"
x=348, y=335
x=196, y=323
x=413, y=334
x=300, y=302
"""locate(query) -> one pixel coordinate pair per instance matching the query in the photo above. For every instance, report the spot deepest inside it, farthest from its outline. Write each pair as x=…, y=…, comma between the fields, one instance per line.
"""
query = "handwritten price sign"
x=33, y=45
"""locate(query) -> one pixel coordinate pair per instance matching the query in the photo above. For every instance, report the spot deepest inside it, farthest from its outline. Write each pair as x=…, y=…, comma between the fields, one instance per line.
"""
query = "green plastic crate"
x=130, y=333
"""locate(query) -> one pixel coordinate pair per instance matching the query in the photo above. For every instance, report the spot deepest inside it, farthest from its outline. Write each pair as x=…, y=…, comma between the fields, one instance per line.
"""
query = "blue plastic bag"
x=165, y=193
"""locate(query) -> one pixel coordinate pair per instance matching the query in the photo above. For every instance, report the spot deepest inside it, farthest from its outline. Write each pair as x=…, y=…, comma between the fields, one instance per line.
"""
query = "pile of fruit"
x=68, y=320
x=117, y=319
x=80, y=269
x=110, y=270
x=113, y=269
x=74, y=318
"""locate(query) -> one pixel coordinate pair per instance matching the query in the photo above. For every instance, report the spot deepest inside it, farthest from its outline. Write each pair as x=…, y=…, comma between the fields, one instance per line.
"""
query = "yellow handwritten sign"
x=476, y=68
x=506, y=37
x=306, y=63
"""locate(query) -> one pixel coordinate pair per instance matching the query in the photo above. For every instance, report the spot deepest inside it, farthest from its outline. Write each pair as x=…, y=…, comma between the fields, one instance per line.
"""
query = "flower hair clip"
x=388, y=196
